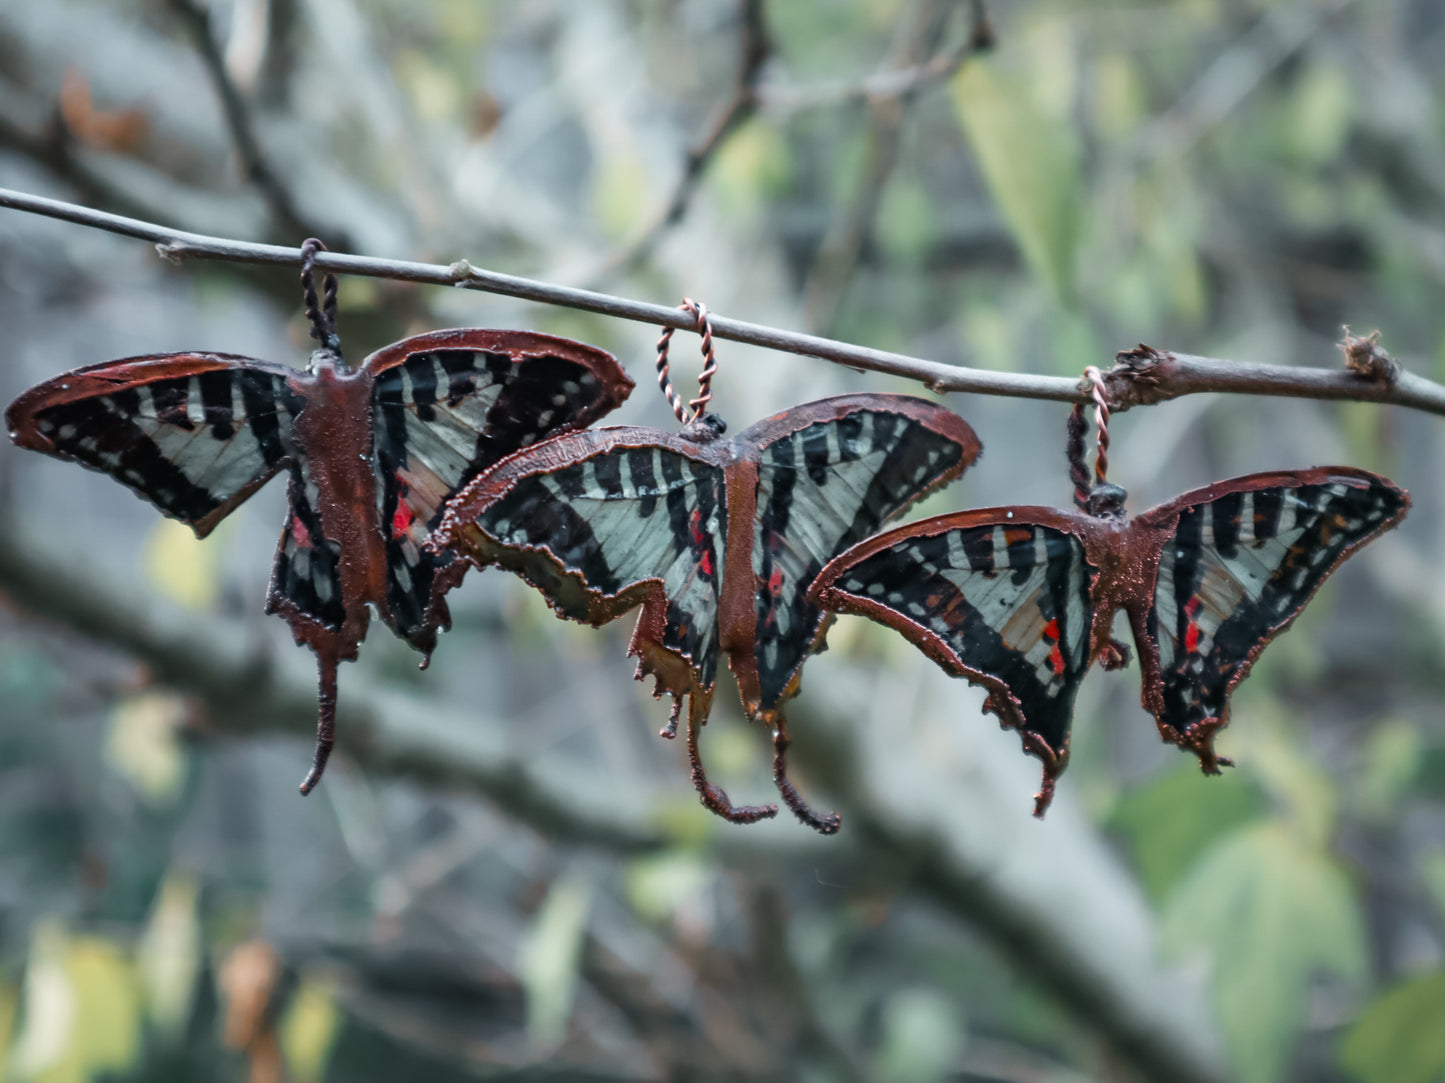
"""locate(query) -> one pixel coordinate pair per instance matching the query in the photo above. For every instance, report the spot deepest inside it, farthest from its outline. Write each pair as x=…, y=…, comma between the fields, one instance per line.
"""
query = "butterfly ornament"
x=1021, y=600
x=372, y=454
x=716, y=538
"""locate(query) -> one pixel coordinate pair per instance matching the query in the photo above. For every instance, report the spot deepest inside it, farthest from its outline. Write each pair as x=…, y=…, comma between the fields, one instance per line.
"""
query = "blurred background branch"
x=247, y=691
x=253, y=161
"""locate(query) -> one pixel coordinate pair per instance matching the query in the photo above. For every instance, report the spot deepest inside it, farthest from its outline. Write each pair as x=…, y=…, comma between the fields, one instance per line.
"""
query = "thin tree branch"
x=254, y=162
x=1143, y=376
x=754, y=48
x=750, y=95
x=56, y=151
x=884, y=85
x=847, y=238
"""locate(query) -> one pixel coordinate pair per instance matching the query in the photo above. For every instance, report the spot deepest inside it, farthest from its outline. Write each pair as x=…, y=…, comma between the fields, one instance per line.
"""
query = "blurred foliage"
x=1230, y=177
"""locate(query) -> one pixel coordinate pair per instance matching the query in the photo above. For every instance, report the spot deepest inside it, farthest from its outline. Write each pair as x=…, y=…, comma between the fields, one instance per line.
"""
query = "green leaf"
x=547, y=963
x=169, y=954
x=659, y=884
x=82, y=1016
x=1432, y=870
x=1399, y=1038
x=1170, y=821
x=755, y=161
x=309, y=1031
x=621, y=192
x=1273, y=910
x=1389, y=766
x=143, y=745
x=183, y=568
x=1030, y=161
x=922, y=1037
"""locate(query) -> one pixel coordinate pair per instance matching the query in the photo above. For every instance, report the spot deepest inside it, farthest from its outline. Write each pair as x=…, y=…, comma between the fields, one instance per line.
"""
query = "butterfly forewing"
x=592, y=516
x=195, y=434
x=1239, y=566
x=823, y=487
x=990, y=595
x=449, y=404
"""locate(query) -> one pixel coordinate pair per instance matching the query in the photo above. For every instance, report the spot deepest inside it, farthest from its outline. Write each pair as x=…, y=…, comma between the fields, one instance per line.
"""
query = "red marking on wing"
x=699, y=539
x=1056, y=656
x=402, y=520
x=404, y=517
x=299, y=532
x=1191, y=634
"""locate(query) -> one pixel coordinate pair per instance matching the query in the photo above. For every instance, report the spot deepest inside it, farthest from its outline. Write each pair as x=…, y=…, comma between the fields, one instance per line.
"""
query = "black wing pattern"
x=602, y=520
x=306, y=575
x=822, y=488
x=1237, y=570
x=195, y=434
x=991, y=595
x=442, y=416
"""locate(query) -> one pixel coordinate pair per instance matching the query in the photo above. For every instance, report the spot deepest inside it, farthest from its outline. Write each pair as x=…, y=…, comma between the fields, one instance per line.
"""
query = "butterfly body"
x=717, y=539
x=1022, y=600
x=371, y=453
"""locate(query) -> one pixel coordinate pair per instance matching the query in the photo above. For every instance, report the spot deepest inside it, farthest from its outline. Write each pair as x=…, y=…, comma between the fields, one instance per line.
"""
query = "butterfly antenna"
x=325, y=722
x=824, y=825
x=713, y=797
x=321, y=312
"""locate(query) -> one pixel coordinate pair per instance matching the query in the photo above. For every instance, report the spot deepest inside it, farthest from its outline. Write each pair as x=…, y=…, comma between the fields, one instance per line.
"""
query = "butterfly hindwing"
x=195, y=434
x=830, y=474
x=1239, y=562
x=449, y=404
x=1000, y=596
x=602, y=520
x=306, y=576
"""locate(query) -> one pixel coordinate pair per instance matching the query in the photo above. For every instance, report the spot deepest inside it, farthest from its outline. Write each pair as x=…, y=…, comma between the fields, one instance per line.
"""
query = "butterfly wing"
x=1237, y=563
x=602, y=521
x=193, y=433
x=306, y=575
x=1000, y=596
x=449, y=404
x=829, y=474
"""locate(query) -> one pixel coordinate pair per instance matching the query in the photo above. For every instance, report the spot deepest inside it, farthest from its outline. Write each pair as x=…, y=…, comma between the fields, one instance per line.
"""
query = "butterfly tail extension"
x=326, y=663
x=1054, y=762
x=714, y=798
x=824, y=825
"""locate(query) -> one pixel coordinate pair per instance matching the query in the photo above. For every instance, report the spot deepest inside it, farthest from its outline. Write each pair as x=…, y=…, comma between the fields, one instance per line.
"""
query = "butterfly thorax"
x=1106, y=501
x=327, y=359
x=703, y=429
x=333, y=435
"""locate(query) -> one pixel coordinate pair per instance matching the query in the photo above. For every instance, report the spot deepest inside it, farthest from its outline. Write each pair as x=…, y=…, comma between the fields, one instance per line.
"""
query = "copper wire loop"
x=322, y=314
x=1101, y=418
x=1078, y=471
x=704, y=379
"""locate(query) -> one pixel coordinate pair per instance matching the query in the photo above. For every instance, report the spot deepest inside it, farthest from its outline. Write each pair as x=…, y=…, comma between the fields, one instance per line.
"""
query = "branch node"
x=461, y=271
x=1137, y=362
x=173, y=252
x=1135, y=379
x=1367, y=359
x=981, y=37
